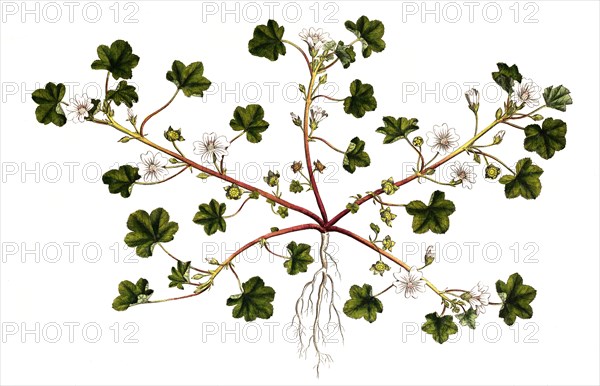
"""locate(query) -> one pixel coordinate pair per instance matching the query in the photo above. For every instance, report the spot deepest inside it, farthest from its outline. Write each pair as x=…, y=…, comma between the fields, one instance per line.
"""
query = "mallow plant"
x=319, y=302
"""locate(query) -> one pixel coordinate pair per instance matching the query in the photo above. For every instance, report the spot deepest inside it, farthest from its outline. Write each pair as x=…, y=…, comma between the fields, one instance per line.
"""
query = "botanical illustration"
x=150, y=230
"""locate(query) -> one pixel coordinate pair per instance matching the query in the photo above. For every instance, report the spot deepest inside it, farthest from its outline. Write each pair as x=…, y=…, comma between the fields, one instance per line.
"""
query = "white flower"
x=211, y=147
x=317, y=114
x=409, y=282
x=463, y=172
x=79, y=108
x=526, y=92
x=442, y=139
x=314, y=38
x=153, y=166
x=479, y=298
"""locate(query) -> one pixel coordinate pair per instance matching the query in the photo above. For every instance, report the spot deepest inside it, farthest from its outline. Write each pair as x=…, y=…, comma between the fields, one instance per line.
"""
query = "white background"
x=53, y=287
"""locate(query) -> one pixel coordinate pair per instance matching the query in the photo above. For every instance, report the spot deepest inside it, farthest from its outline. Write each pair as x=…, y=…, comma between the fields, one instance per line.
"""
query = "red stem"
x=156, y=112
x=309, y=166
x=370, y=245
x=225, y=177
x=377, y=192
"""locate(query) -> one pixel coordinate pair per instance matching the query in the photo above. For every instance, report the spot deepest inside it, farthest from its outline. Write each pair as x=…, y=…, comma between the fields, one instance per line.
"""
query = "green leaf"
x=254, y=302
x=505, y=76
x=189, y=79
x=395, y=129
x=180, y=275
x=361, y=99
x=557, y=97
x=526, y=183
x=119, y=59
x=299, y=259
x=211, y=217
x=355, y=156
x=345, y=54
x=121, y=181
x=250, y=120
x=363, y=304
x=123, y=94
x=49, y=100
x=546, y=140
x=468, y=318
x=370, y=33
x=149, y=229
x=267, y=41
x=516, y=298
x=131, y=294
x=440, y=328
x=433, y=217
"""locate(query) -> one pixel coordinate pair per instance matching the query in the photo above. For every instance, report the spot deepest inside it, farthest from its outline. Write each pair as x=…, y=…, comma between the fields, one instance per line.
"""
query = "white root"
x=316, y=313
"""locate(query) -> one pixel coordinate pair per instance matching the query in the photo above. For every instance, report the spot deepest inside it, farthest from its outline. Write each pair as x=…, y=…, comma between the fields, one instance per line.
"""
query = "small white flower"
x=211, y=146
x=526, y=92
x=479, y=298
x=409, y=282
x=317, y=114
x=79, y=108
x=153, y=166
x=314, y=38
x=463, y=172
x=442, y=139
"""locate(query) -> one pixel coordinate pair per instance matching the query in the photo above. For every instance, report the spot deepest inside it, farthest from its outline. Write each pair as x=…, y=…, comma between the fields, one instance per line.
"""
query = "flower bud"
x=375, y=228
x=473, y=99
x=302, y=88
x=499, y=137
x=537, y=117
x=499, y=113
x=296, y=119
x=429, y=256
x=131, y=117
